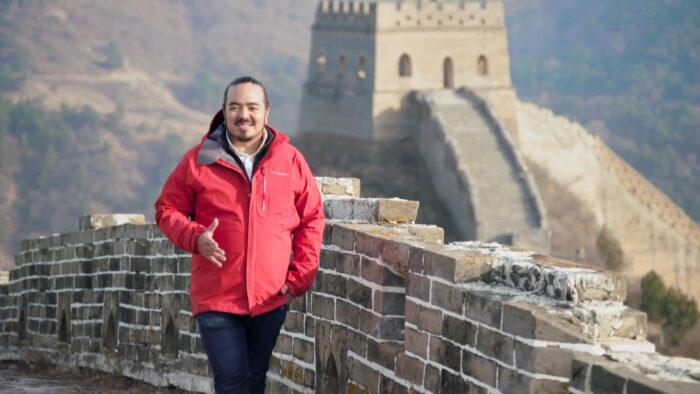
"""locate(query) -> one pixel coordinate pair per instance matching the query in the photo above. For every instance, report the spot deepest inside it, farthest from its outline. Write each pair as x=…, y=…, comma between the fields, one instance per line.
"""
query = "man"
x=245, y=203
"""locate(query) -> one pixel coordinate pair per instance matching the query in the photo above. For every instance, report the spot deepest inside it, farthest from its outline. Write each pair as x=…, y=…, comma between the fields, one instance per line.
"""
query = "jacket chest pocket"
x=277, y=202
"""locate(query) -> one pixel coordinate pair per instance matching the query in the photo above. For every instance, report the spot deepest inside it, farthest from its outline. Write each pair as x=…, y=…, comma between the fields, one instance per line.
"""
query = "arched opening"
x=321, y=62
x=448, y=74
x=329, y=383
x=361, y=68
x=22, y=326
x=341, y=64
x=405, y=66
x=109, y=338
x=169, y=340
x=63, y=332
x=483, y=66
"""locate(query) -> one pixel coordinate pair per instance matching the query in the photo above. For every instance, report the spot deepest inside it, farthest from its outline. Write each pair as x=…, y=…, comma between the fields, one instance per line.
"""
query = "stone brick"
x=380, y=274
x=396, y=210
x=383, y=353
x=439, y=264
x=432, y=379
x=357, y=343
x=329, y=259
x=428, y=319
x=309, y=323
x=390, y=386
x=334, y=284
x=343, y=237
x=303, y=350
x=323, y=307
x=369, y=245
x=349, y=264
x=410, y=368
x=359, y=293
x=389, y=303
x=347, y=313
x=495, y=345
x=298, y=304
x=363, y=375
x=416, y=342
x=381, y=326
x=460, y=331
x=526, y=321
x=339, y=186
x=294, y=322
x=479, y=368
x=452, y=383
x=415, y=259
x=447, y=297
x=543, y=360
x=444, y=353
x=396, y=254
x=511, y=382
x=418, y=287
x=483, y=308
x=579, y=374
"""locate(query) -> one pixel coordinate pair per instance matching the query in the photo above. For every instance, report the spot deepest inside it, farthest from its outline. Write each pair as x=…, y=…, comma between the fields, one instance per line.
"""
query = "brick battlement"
x=393, y=309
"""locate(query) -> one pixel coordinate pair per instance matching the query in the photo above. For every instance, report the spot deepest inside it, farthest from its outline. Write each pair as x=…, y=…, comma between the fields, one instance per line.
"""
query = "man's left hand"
x=285, y=290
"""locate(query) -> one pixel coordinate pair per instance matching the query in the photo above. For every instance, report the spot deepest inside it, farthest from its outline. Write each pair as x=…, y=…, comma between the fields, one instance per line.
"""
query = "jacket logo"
x=280, y=173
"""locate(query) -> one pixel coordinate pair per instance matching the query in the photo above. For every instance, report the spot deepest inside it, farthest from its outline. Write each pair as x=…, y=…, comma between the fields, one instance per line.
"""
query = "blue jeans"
x=239, y=348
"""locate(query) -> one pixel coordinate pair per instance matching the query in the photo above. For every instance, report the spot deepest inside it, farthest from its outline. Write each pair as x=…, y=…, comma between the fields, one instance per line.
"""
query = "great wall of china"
x=393, y=309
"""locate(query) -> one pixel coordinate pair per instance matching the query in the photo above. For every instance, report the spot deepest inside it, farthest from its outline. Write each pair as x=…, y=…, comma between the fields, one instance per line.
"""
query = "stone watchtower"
x=367, y=56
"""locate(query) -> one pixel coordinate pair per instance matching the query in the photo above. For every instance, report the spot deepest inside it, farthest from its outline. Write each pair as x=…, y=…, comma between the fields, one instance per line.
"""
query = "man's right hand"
x=207, y=247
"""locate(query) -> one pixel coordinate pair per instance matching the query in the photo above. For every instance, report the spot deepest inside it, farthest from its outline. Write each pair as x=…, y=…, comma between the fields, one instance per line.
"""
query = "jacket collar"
x=215, y=147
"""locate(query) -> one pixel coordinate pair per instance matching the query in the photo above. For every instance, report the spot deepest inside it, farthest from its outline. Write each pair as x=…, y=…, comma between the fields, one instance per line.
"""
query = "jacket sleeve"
x=175, y=206
x=308, y=236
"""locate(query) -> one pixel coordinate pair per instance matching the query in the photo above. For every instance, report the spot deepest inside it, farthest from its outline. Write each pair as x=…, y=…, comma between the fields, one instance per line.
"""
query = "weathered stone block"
x=418, y=286
x=444, y=353
x=359, y=293
x=527, y=321
x=294, y=322
x=343, y=237
x=363, y=374
x=483, y=307
x=460, y=331
x=339, y=186
x=347, y=313
x=389, y=303
x=396, y=254
x=396, y=210
x=383, y=353
x=450, y=298
x=495, y=345
x=323, y=307
x=452, y=383
x=480, y=368
x=334, y=284
x=380, y=274
x=98, y=221
x=390, y=386
x=428, y=319
x=303, y=350
x=543, y=360
x=369, y=244
x=410, y=368
x=432, y=379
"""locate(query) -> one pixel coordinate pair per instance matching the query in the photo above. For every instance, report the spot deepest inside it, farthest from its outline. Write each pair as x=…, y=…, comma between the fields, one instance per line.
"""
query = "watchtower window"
x=483, y=66
x=448, y=74
x=341, y=64
x=321, y=62
x=361, y=68
x=405, y=66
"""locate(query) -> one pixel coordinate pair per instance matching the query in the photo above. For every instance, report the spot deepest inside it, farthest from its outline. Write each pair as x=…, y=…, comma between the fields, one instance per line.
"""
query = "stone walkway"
x=16, y=378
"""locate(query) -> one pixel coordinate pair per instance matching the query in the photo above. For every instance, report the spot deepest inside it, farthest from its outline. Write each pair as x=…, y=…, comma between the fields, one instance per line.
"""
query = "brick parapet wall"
x=393, y=309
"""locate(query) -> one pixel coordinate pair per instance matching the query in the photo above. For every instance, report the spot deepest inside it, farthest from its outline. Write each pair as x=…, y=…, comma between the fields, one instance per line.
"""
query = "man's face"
x=245, y=112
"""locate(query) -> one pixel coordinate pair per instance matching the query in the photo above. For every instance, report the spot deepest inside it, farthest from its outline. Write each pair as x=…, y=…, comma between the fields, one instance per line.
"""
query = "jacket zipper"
x=264, y=189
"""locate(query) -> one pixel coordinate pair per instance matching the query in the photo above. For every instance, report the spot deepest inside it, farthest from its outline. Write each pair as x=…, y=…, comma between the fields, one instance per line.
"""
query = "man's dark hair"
x=246, y=79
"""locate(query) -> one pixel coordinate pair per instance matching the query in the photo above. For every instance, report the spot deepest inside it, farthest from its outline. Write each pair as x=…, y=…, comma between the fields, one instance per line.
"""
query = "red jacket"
x=270, y=227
